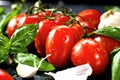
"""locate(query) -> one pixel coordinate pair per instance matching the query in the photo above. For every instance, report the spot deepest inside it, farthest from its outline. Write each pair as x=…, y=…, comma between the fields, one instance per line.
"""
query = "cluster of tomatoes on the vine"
x=64, y=37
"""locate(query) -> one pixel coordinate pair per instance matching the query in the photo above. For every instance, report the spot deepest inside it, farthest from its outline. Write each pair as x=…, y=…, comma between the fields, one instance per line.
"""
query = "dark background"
x=99, y=2
x=76, y=5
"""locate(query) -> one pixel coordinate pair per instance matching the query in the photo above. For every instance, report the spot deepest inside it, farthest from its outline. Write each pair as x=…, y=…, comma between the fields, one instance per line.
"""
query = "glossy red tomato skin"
x=33, y=19
x=23, y=19
x=89, y=51
x=79, y=32
x=91, y=15
x=61, y=20
x=13, y=24
x=109, y=43
x=45, y=26
x=83, y=28
x=59, y=44
x=5, y=75
x=88, y=26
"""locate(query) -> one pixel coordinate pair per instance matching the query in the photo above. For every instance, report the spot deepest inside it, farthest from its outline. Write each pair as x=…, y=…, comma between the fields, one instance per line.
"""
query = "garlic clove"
x=109, y=18
x=26, y=71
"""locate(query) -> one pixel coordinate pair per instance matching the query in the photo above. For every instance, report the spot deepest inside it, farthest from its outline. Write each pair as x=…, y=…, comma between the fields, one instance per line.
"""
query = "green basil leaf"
x=31, y=59
x=116, y=67
x=16, y=48
x=109, y=31
x=4, y=47
x=22, y=37
x=113, y=53
x=4, y=54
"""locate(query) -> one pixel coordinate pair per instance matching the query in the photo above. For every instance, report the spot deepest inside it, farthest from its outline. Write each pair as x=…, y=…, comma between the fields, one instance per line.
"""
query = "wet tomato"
x=109, y=43
x=59, y=44
x=13, y=24
x=45, y=27
x=91, y=15
x=91, y=52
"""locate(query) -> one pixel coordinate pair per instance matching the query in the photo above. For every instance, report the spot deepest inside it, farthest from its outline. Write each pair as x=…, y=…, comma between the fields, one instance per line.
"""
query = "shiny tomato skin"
x=109, y=43
x=13, y=24
x=91, y=15
x=79, y=32
x=45, y=26
x=33, y=19
x=21, y=20
x=88, y=26
x=84, y=28
x=89, y=51
x=59, y=44
x=5, y=75
x=61, y=20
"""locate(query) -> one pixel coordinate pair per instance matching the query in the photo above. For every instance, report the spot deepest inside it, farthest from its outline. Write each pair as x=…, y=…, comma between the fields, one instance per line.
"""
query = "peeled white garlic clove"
x=80, y=72
x=109, y=18
x=26, y=71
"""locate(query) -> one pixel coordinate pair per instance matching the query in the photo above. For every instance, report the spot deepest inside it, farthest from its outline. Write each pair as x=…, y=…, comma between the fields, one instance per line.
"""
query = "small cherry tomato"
x=32, y=19
x=13, y=24
x=45, y=26
x=61, y=20
x=79, y=32
x=88, y=26
x=59, y=44
x=83, y=28
x=91, y=15
x=109, y=43
x=5, y=75
x=92, y=52
x=23, y=19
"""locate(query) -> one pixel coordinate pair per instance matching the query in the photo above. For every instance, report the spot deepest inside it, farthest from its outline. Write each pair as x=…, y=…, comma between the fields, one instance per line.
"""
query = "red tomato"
x=23, y=19
x=108, y=42
x=61, y=20
x=13, y=24
x=91, y=15
x=5, y=75
x=59, y=44
x=90, y=51
x=87, y=26
x=82, y=29
x=32, y=19
x=45, y=27
x=79, y=32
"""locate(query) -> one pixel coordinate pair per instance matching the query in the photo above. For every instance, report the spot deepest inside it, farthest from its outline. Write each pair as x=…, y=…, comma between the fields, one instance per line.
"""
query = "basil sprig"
x=109, y=31
x=22, y=38
x=17, y=47
x=4, y=47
